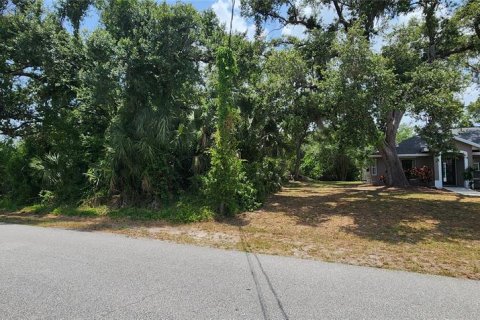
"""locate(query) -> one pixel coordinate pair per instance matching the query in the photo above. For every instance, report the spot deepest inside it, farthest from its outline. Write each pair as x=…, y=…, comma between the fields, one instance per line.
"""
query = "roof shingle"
x=416, y=144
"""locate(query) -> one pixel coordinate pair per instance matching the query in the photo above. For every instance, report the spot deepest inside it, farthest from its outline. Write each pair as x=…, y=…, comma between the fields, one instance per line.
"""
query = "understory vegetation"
x=162, y=112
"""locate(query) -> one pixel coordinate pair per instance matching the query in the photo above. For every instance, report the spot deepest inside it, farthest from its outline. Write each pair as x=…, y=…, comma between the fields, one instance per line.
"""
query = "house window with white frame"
x=373, y=169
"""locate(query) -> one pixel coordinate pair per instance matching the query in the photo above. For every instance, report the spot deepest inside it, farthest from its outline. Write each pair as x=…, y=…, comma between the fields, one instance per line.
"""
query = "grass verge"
x=418, y=229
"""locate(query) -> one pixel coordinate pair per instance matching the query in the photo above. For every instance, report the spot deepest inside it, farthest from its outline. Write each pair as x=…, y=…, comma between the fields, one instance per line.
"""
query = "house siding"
x=420, y=161
x=427, y=160
x=467, y=142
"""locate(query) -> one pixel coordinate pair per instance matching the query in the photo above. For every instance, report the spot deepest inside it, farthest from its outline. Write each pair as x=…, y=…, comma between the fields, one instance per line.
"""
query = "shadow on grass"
x=383, y=214
x=376, y=213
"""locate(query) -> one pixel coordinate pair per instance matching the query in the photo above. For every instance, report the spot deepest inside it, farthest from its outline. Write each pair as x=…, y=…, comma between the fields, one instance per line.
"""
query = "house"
x=447, y=169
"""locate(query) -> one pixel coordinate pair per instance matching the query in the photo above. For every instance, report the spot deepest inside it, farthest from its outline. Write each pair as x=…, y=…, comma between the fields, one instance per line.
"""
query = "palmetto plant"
x=149, y=137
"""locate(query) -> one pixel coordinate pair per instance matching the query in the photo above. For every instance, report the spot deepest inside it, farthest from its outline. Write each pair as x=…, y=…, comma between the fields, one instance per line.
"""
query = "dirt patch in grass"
x=417, y=229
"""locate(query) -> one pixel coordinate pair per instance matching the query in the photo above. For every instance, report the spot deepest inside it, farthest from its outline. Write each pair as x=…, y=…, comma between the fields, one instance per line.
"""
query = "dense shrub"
x=267, y=176
x=330, y=161
x=424, y=174
x=18, y=181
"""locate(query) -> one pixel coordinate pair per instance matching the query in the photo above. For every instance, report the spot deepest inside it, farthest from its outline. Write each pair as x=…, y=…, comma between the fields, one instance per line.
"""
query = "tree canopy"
x=152, y=104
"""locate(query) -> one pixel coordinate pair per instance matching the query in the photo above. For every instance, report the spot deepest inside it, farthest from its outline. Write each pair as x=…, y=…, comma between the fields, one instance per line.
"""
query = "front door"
x=449, y=172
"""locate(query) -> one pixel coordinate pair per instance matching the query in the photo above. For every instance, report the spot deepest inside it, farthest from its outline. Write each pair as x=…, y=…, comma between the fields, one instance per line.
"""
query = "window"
x=408, y=164
x=374, y=168
x=476, y=166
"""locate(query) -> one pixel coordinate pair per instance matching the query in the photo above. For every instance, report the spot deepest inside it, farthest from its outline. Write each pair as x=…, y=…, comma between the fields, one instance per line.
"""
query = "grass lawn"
x=422, y=230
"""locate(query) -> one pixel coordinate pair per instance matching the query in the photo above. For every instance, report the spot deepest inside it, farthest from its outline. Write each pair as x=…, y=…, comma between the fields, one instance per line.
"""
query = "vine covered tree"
x=225, y=178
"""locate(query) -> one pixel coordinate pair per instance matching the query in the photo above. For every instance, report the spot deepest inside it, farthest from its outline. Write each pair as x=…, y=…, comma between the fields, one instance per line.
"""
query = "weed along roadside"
x=417, y=229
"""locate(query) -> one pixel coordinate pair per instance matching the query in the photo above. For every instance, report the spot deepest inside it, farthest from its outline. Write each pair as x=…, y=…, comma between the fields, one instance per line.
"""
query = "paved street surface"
x=61, y=274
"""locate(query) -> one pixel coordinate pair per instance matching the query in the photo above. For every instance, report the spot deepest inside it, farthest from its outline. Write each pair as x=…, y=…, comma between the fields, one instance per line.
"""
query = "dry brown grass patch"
x=417, y=229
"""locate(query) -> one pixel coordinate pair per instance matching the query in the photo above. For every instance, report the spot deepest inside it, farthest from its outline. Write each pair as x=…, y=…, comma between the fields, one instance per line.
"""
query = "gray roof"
x=470, y=134
x=412, y=145
x=416, y=144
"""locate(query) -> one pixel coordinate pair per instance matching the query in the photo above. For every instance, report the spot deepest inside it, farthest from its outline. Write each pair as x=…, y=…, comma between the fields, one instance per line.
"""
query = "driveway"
x=463, y=191
x=62, y=274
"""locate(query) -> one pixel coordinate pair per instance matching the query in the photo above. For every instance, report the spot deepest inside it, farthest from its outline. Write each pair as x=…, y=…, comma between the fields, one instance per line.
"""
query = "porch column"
x=437, y=165
x=465, y=166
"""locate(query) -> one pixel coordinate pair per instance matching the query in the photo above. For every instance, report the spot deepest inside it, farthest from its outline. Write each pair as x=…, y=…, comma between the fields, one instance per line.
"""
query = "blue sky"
x=240, y=24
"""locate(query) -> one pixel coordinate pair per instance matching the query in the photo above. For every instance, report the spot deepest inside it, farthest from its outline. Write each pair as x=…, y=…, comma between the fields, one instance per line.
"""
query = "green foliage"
x=226, y=184
x=288, y=88
x=326, y=159
x=150, y=105
x=150, y=127
x=468, y=175
x=184, y=211
x=267, y=176
x=74, y=10
x=360, y=91
x=474, y=111
x=404, y=132
x=434, y=100
x=8, y=204
x=18, y=182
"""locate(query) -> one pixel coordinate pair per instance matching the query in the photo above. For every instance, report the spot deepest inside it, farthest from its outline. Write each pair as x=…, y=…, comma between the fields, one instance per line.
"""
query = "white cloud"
x=294, y=31
x=404, y=18
x=471, y=93
x=223, y=10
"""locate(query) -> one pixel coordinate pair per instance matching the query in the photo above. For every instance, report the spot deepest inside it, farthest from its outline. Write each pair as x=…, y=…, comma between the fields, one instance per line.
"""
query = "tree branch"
x=341, y=18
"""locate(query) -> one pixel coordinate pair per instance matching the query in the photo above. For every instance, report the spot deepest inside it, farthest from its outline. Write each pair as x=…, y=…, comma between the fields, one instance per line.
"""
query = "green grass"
x=185, y=210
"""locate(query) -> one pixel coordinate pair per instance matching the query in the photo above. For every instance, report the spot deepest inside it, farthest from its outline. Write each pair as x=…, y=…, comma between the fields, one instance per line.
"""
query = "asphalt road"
x=61, y=274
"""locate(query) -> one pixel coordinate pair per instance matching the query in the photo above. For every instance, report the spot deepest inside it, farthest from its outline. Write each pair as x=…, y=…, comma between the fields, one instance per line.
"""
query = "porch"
x=449, y=170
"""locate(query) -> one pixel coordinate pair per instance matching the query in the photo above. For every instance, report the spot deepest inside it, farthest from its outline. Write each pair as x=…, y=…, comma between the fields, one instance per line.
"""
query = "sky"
x=222, y=8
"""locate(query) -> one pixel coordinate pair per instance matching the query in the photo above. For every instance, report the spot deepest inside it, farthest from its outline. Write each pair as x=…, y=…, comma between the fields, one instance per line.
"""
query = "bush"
x=18, y=182
x=423, y=174
x=185, y=210
x=329, y=162
x=266, y=176
x=468, y=175
x=7, y=204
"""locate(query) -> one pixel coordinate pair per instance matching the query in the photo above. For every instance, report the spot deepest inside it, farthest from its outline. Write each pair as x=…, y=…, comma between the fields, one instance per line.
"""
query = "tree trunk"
x=341, y=166
x=298, y=155
x=296, y=169
x=431, y=27
x=395, y=176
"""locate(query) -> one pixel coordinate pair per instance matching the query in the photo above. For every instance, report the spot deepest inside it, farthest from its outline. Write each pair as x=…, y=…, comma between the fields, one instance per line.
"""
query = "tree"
x=38, y=68
x=75, y=11
x=369, y=96
x=287, y=88
x=347, y=13
x=438, y=38
x=405, y=131
x=327, y=158
x=156, y=45
x=224, y=180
